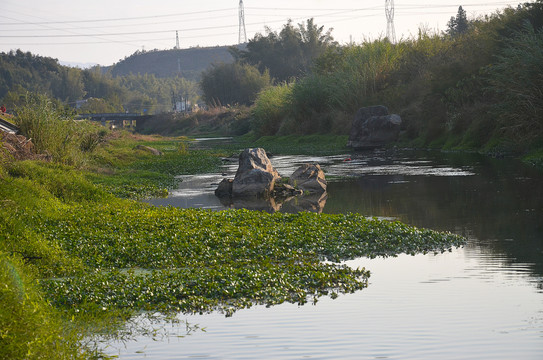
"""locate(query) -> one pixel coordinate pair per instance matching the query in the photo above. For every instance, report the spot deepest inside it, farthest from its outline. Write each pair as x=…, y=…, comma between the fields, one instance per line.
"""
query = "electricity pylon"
x=242, y=31
x=389, y=12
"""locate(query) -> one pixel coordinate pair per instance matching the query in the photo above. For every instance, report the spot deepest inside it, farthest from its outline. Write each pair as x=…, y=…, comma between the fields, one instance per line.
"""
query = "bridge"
x=115, y=119
x=8, y=127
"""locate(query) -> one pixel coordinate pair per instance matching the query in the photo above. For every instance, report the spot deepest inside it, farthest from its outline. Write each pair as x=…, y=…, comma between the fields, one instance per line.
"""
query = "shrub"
x=270, y=109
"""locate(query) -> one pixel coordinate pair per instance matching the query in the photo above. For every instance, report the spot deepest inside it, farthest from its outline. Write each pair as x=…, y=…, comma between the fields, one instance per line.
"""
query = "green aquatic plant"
x=163, y=259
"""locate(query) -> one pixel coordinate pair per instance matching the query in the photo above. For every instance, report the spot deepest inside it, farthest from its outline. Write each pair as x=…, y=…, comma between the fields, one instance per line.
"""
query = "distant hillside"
x=166, y=63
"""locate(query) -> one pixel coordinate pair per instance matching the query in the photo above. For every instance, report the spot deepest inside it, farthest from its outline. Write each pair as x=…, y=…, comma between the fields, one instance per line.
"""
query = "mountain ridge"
x=188, y=63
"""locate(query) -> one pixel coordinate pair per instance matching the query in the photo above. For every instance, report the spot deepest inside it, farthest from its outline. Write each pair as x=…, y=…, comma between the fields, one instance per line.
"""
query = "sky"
x=104, y=32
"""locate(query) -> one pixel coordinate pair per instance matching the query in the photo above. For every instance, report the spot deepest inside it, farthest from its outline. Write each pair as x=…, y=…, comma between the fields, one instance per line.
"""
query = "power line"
x=149, y=32
x=196, y=19
x=116, y=19
x=403, y=6
x=101, y=36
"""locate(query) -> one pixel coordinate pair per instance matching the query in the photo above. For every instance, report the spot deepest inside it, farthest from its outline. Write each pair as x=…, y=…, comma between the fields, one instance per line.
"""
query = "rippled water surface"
x=482, y=301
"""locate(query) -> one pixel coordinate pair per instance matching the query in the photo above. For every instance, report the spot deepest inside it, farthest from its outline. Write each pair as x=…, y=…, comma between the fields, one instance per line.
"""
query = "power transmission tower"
x=176, y=40
x=389, y=12
x=242, y=31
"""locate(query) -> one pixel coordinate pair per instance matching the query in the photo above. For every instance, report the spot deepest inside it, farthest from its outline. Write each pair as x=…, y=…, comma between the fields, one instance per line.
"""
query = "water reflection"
x=312, y=203
x=496, y=203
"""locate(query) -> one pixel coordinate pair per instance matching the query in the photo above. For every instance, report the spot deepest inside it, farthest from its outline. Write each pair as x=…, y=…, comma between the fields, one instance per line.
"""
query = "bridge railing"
x=109, y=116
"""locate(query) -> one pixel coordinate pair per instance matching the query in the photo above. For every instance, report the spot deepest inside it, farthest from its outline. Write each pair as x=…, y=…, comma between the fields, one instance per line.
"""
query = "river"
x=481, y=301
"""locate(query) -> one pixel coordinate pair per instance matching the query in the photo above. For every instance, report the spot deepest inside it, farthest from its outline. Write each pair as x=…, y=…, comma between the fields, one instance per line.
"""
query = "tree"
x=70, y=86
x=289, y=53
x=229, y=84
x=458, y=25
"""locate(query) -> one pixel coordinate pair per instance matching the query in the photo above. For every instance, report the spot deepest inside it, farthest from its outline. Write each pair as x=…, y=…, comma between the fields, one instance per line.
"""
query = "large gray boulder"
x=373, y=127
x=309, y=178
x=255, y=176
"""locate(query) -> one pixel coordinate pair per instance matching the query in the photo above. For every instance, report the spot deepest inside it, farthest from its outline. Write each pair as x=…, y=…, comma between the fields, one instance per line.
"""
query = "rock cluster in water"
x=258, y=185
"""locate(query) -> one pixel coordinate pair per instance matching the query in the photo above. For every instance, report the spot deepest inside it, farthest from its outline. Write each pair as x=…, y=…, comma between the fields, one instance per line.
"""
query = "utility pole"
x=242, y=31
x=176, y=40
x=389, y=12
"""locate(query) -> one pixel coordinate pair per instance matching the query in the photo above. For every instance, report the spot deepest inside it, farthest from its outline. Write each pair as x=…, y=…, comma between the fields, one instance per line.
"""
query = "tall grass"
x=363, y=70
x=54, y=131
x=271, y=108
x=517, y=80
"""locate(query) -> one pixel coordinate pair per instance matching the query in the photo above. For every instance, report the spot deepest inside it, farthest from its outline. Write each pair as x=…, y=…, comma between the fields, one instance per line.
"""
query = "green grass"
x=30, y=328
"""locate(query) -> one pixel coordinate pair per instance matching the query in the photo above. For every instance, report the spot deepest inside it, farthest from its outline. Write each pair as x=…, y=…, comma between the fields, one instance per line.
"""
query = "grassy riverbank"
x=76, y=259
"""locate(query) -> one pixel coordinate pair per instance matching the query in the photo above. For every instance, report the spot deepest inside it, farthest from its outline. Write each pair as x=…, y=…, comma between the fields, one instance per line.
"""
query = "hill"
x=167, y=63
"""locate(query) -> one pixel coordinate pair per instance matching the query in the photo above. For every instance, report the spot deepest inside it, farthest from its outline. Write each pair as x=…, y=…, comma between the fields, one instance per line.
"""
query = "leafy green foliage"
x=23, y=72
x=100, y=257
x=289, y=53
x=130, y=173
x=342, y=81
x=270, y=109
x=35, y=74
x=229, y=84
x=451, y=91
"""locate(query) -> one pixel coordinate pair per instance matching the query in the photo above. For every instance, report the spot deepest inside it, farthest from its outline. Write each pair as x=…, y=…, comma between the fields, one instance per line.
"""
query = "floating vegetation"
x=192, y=260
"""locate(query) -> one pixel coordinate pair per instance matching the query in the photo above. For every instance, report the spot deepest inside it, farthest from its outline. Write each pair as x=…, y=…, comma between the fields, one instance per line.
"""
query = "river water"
x=481, y=301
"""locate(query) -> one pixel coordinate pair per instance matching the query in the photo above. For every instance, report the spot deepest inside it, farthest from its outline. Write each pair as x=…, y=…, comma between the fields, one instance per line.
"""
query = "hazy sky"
x=104, y=32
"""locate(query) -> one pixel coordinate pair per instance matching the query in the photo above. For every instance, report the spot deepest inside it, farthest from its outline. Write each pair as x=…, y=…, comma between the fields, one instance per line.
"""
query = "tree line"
x=22, y=72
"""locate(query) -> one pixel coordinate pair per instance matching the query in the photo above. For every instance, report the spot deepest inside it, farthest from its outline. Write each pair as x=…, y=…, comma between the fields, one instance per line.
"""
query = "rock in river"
x=373, y=127
x=309, y=178
x=255, y=176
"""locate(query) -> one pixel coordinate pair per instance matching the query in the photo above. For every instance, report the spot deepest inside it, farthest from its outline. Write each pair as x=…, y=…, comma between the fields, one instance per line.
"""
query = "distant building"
x=184, y=105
